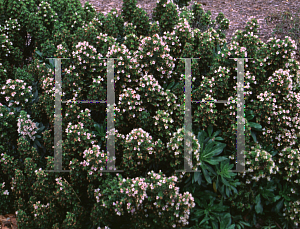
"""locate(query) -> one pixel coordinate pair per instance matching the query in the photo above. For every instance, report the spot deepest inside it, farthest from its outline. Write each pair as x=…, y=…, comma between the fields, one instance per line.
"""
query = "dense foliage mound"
x=149, y=77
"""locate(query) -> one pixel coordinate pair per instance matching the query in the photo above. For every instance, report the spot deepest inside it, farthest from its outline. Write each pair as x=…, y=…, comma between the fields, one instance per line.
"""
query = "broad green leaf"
x=198, y=202
x=234, y=189
x=259, y=208
x=199, y=180
x=215, y=225
x=204, y=220
x=257, y=199
x=42, y=128
x=202, y=135
x=267, y=193
x=188, y=180
x=39, y=53
x=227, y=191
x=276, y=198
x=210, y=130
x=249, y=117
x=171, y=85
x=97, y=126
x=208, y=148
x=279, y=205
x=196, y=176
x=253, y=134
x=226, y=221
x=216, y=160
x=216, y=133
x=214, y=152
x=206, y=176
x=255, y=125
x=209, y=168
x=224, y=181
x=176, y=86
x=38, y=143
x=212, y=162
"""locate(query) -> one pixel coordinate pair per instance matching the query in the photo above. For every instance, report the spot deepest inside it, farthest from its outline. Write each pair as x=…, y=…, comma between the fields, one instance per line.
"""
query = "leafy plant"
x=149, y=120
x=210, y=148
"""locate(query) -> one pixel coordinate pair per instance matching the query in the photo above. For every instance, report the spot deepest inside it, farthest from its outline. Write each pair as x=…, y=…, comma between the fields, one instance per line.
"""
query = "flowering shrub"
x=149, y=119
x=146, y=200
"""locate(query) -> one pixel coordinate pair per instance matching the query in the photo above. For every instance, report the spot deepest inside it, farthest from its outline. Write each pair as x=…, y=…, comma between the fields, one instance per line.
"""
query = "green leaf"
x=206, y=176
x=250, y=117
x=257, y=199
x=215, y=161
x=208, y=152
x=199, y=180
x=212, y=162
x=198, y=201
x=42, y=128
x=97, y=126
x=176, y=86
x=188, y=180
x=258, y=206
x=204, y=220
x=208, y=148
x=279, y=205
x=50, y=66
x=209, y=168
x=171, y=85
x=196, y=176
x=216, y=133
x=255, y=125
x=253, y=134
x=276, y=198
x=165, y=86
x=210, y=130
x=201, y=136
x=224, y=181
x=38, y=143
x=214, y=225
x=226, y=221
x=39, y=53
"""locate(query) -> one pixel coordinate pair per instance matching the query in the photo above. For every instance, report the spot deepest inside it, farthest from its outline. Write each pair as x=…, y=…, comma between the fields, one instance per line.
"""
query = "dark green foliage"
x=151, y=68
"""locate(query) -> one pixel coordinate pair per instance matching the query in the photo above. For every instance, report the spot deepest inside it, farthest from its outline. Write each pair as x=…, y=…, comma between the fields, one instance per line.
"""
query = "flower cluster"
x=26, y=127
x=264, y=169
x=12, y=97
x=141, y=197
